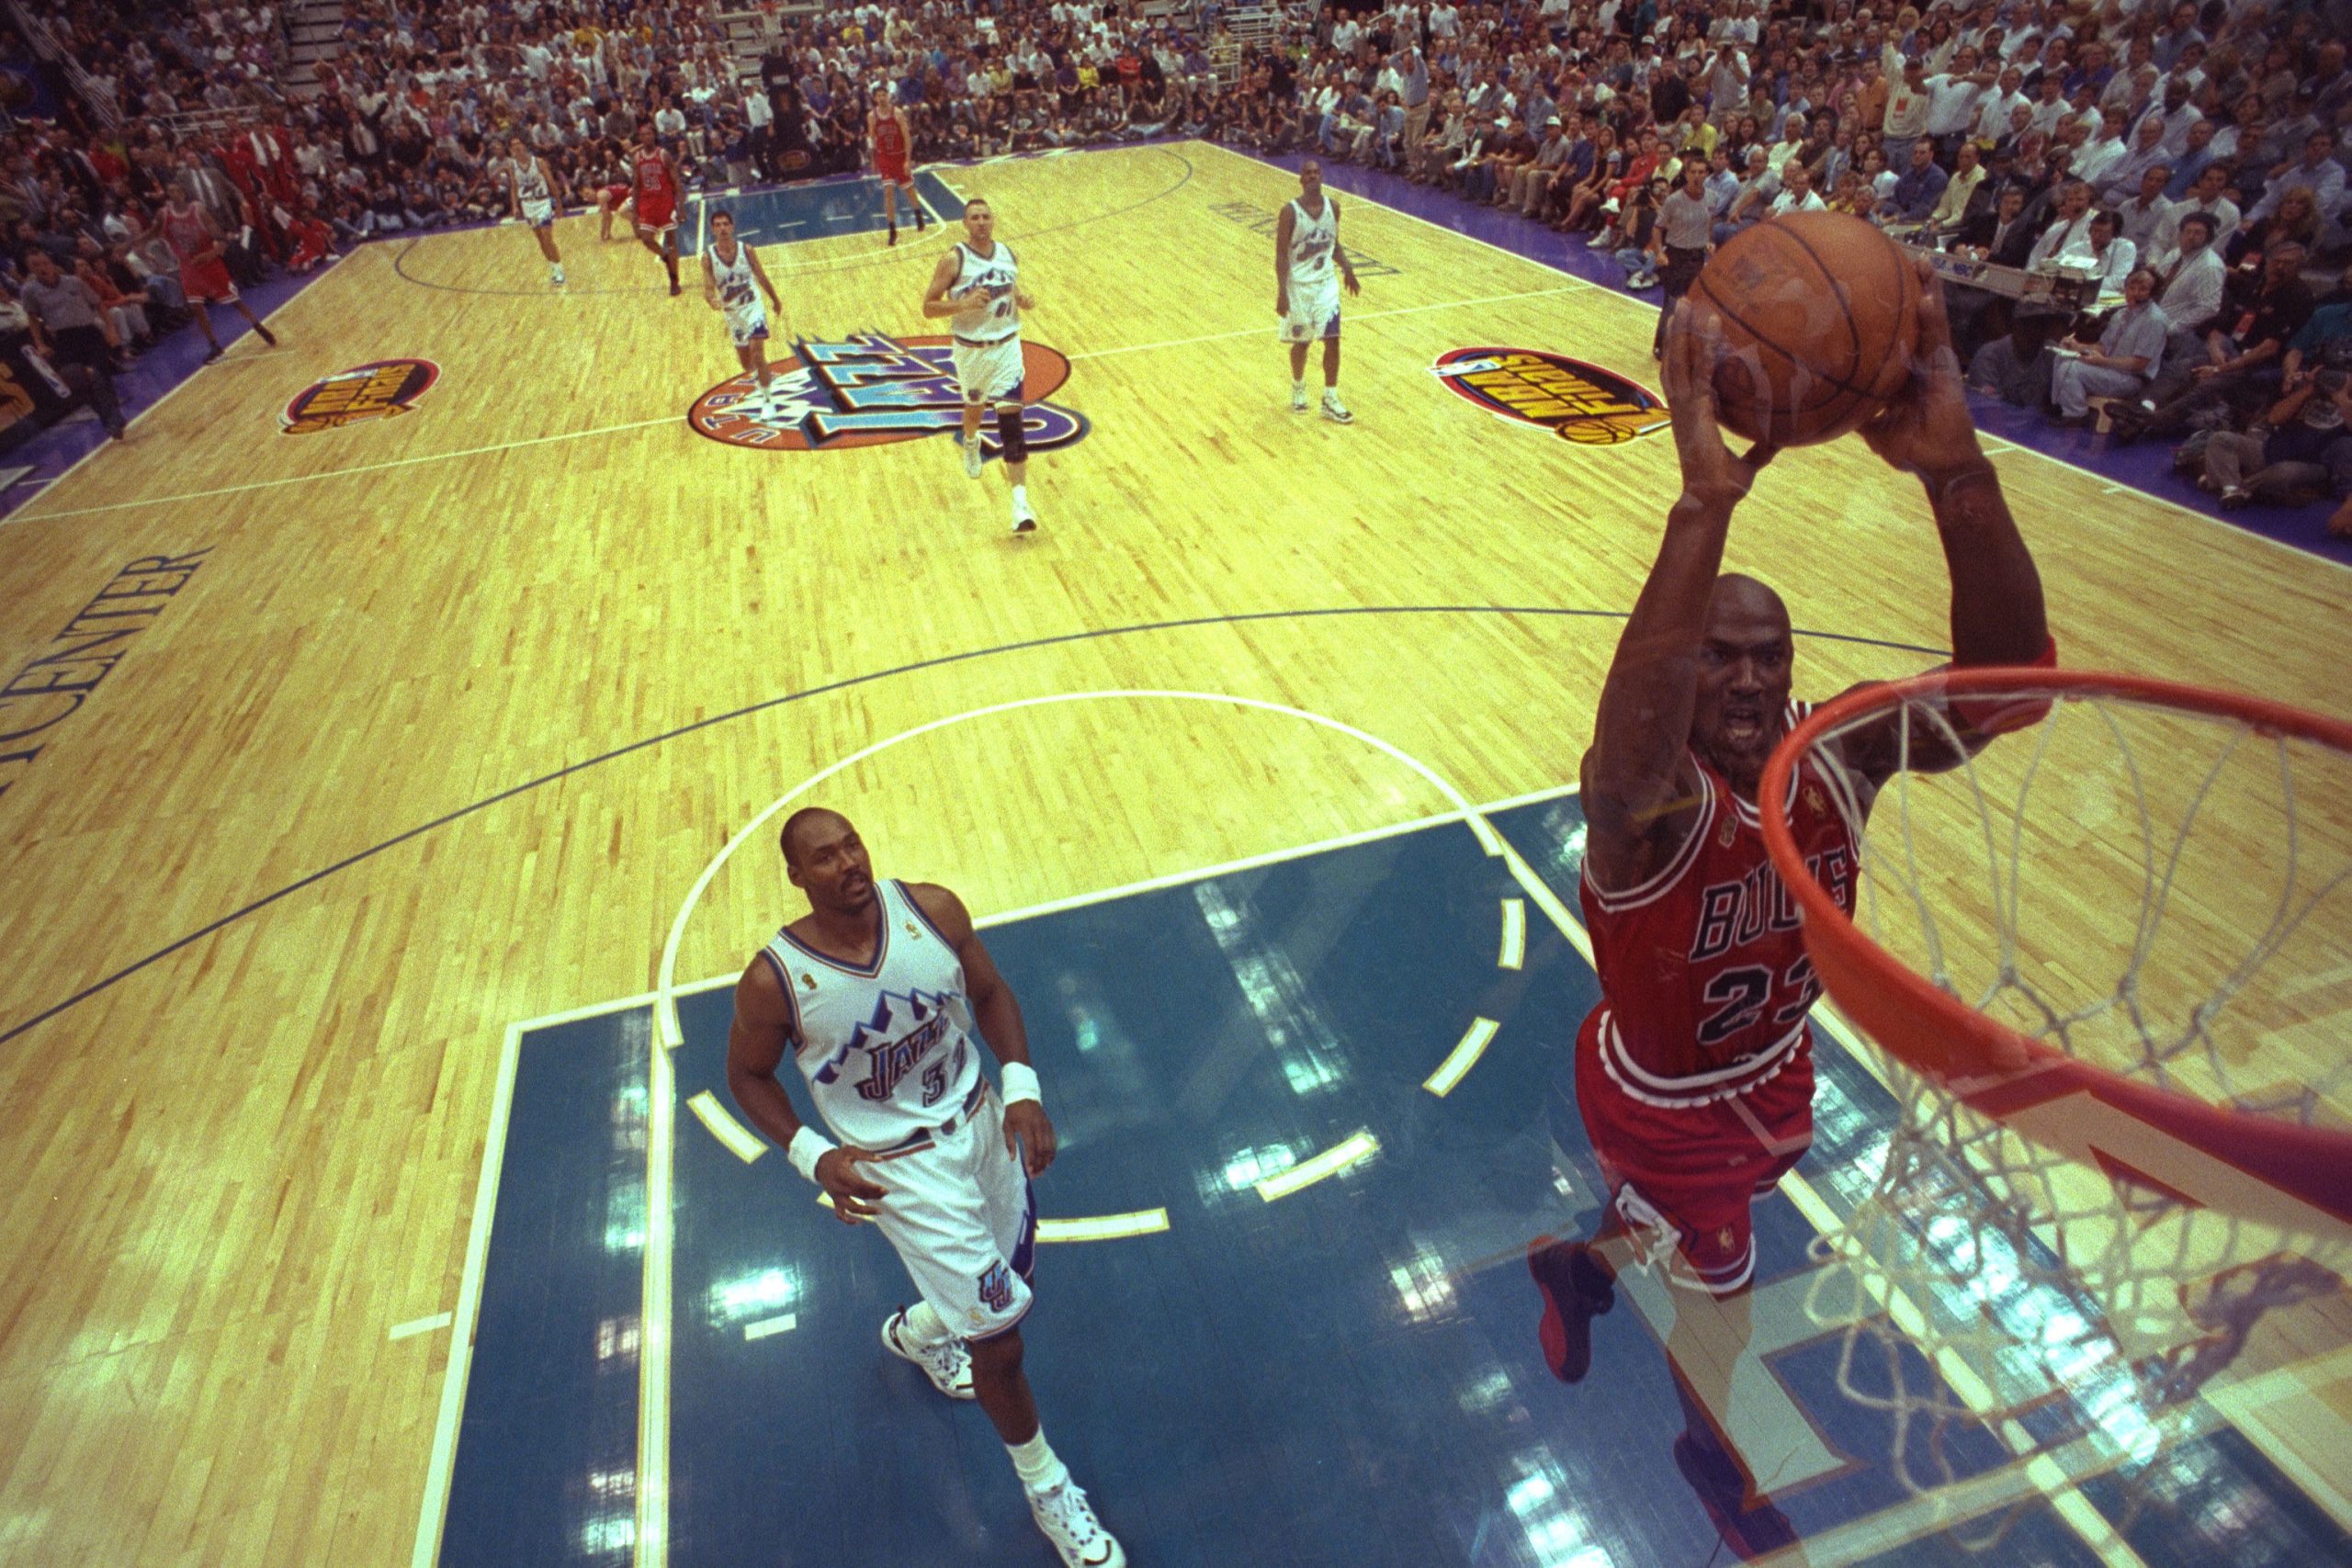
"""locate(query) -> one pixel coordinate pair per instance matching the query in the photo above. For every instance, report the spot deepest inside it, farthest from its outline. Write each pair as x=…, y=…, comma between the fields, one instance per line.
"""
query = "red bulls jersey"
x=889, y=141
x=652, y=173
x=1704, y=980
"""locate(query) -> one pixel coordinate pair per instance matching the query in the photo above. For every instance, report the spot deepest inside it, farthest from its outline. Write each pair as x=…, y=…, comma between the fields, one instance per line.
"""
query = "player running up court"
x=654, y=185
x=733, y=281
x=978, y=286
x=533, y=193
x=891, y=136
x=204, y=274
x=1694, y=1074
x=875, y=994
x=1308, y=265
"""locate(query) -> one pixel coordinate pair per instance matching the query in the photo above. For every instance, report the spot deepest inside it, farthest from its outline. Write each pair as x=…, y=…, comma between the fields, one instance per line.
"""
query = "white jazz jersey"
x=888, y=1050
x=1312, y=241
x=986, y=291
x=1314, y=274
x=531, y=190
x=890, y=1058
x=739, y=296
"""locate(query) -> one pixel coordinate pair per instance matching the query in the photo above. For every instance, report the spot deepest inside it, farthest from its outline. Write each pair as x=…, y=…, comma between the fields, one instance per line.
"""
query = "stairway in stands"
x=314, y=32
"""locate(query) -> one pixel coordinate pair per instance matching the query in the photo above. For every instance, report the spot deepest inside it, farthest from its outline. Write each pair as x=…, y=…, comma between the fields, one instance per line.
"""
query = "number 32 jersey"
x=1704, y=980
x=887, y=1048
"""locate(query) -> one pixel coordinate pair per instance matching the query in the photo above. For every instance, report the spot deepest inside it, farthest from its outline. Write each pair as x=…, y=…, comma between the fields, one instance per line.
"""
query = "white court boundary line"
x=433, y=1512
x=2002, y=443
x=28, y=514
x=347, y=473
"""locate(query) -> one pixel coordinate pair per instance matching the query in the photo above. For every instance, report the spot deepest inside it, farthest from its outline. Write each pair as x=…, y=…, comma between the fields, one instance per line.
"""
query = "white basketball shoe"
x=1299, y=399
x=1069, y=1521
x=1334, y=409
x=949, y=1365
x=972, y=457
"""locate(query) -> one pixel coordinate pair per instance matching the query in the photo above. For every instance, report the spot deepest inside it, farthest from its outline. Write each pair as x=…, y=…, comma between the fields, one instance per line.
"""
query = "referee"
x=69, y=327
x=1684, y=233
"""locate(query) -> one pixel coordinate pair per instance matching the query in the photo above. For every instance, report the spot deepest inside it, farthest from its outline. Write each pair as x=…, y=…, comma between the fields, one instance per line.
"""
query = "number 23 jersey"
x=886, y=1048
x=1704, y=982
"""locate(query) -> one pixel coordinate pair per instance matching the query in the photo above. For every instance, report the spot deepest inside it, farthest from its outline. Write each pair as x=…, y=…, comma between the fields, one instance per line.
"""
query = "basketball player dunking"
x=879, y=994
x=1308, y=265
x=195, y=239
x=1694, y=1074
x=733, y=281
x=654, y=185
x=891, y=136
x=978, y=286
x=537, y=200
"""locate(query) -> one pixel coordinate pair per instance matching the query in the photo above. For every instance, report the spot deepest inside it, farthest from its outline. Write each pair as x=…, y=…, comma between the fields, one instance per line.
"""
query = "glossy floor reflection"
x=1346, y=1373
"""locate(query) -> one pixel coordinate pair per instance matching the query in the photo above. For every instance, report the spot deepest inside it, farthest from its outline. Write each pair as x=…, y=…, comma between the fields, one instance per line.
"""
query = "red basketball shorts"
x=893, y=171
x=657, y=210
x=1695, y=1170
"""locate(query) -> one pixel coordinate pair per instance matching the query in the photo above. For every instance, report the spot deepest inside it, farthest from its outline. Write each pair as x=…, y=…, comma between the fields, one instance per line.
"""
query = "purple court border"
x=158, y=373
x=2146, y=467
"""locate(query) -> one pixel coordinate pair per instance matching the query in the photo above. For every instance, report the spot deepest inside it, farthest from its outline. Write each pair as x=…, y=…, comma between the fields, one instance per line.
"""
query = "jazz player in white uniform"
x=883, y=995
x=533, y=192
x=1308, y=268
x=732, y=282
x=978, y=286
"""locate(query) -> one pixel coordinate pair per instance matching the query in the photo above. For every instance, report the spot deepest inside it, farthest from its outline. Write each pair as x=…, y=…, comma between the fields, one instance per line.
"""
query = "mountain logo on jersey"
x=381, y=389
x=1576, y=401
x=871, y=388
x=900, y=1033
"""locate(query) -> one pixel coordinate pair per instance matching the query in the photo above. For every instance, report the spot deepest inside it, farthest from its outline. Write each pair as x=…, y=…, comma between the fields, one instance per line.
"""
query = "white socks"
x=923, y=1325
x=1038, y=1465
x=1021, y=496
x=1298, y=386
x=556, y=273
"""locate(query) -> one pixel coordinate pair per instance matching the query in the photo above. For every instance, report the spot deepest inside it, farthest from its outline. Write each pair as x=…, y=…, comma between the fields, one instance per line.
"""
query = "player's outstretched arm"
x=998, y=1016
x=757, y=1041
x=1996, y=609
x=942, y=278
x=761, y=273
x=1637, y=777
x=1997, y=614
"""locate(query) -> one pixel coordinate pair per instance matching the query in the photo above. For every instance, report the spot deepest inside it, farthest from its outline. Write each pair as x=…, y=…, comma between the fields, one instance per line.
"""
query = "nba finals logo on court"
x=870, y=389
x=379, y=390
x=1578, y=402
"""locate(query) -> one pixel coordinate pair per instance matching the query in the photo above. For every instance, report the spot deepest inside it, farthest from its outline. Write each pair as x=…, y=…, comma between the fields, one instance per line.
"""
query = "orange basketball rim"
x=1995, y=1069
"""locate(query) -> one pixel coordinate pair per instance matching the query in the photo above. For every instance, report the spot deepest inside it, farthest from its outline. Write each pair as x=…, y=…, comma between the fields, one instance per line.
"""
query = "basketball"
x=1820, y=319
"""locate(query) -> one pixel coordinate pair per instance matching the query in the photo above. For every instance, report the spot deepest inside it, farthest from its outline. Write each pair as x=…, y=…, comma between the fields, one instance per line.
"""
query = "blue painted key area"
x=1346, y=1375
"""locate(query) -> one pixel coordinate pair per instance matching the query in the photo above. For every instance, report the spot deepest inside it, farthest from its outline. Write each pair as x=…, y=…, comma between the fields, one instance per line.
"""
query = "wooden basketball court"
x=429, y=724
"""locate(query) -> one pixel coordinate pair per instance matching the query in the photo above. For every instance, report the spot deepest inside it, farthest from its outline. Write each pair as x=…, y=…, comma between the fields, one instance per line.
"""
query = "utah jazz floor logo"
x=381, y=389
x=1575, y=401
x=872, y=387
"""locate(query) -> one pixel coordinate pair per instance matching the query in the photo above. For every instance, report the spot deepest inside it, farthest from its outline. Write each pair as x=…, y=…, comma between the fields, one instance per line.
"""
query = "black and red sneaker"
x=1577, y=1290
x=1751, y=1529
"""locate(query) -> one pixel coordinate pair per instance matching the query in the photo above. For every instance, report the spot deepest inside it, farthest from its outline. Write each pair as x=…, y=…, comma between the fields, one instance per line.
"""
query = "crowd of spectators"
x=2199, y=147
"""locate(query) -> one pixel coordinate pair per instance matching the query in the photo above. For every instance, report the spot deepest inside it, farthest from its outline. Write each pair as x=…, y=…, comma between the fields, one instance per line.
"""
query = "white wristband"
x=807, y=1146
x=1021, y=1083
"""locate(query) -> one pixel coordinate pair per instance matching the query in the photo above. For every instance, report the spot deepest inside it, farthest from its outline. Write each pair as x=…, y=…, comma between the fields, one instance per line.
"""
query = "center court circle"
x=874, y=388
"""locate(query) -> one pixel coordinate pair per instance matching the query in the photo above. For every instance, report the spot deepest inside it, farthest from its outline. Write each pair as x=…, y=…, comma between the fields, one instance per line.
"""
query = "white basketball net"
x=2170, y=897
